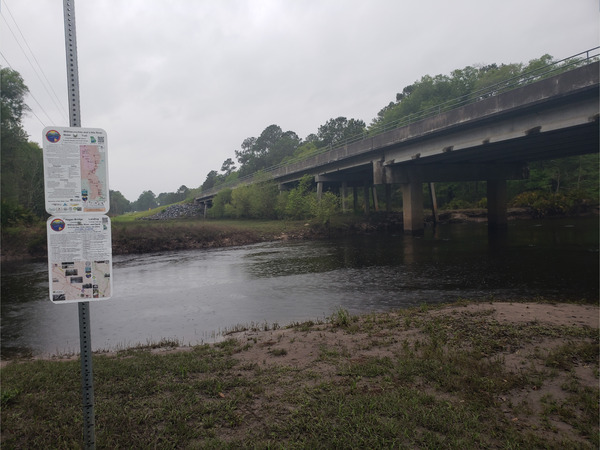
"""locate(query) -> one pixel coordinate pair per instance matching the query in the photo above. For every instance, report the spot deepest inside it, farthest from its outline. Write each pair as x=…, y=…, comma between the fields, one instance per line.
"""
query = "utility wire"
x=59, y=105
x=34, y=69
x=29, y=109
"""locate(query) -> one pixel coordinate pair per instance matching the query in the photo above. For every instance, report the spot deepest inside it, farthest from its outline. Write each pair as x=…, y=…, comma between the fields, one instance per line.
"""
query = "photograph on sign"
x=75, y=170
x=79, y=258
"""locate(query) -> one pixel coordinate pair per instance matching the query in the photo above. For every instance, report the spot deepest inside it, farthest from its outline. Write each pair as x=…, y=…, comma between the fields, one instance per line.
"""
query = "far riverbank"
x=146, y=236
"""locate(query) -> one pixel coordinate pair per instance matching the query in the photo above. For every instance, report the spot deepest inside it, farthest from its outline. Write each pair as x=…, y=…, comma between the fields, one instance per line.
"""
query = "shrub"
x=543, y=203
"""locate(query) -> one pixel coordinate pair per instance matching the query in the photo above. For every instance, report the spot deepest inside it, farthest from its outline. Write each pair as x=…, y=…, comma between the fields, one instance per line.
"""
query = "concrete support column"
x=496, y=204
x=319, y=190
x=434, y=208
x=343, y=192
x=412, y=207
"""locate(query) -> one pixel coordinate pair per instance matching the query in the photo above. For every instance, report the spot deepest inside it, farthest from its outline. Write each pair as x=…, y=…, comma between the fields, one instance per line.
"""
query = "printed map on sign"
x=75, y=170
x=79, y=258
x=78, y=279
x=93, y=172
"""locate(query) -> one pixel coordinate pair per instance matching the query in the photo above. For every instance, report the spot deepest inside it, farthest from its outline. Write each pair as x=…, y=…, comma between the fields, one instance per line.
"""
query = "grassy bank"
x=465, y=376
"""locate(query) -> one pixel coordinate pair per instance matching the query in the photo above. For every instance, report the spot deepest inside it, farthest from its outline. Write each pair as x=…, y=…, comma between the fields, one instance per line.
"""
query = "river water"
x=192, y=296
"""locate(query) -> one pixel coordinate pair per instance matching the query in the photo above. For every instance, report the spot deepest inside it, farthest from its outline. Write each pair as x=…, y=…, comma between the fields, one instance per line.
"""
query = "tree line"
x=22, y=171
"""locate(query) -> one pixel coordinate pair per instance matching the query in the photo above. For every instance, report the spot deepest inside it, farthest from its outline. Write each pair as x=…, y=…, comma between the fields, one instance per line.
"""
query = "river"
x=193, y=296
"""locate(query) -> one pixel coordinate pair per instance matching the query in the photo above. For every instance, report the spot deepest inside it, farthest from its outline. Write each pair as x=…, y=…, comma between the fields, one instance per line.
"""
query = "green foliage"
x=118, y=203
x=580, y=173
x=12, y=95
x=219, y=201
x=322, y=209
x=211, y=180
x=240, y=201
x=342, y=318
x=543, y=203
x=254, y=201
x=13, y=214
x=22, y=175
x=263, y=200
x=146, y=200
x=298, y=204
x=168, y=198
x=457, y=195
x=270, y=148
x=337, y=130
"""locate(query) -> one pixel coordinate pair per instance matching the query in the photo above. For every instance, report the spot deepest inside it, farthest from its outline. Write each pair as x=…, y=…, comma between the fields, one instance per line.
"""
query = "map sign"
x=79, y=258
x=75, y=170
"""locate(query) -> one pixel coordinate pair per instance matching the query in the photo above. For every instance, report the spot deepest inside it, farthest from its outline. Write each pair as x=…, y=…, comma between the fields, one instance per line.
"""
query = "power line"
x=32, y=66
x=59, y=105
x=29, y=110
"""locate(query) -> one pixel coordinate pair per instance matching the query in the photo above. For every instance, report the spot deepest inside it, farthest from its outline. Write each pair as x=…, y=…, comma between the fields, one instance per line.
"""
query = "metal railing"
x=524, y=79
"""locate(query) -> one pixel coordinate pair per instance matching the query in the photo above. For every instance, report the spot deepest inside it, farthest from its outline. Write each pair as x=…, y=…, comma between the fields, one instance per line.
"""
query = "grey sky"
x=179, y=85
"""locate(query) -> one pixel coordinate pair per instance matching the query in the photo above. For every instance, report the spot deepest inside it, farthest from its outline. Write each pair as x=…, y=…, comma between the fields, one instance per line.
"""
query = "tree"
x=218, y=205
x=13, y=92
x=211, y=180
x=22, y=176
x=337, y=130
x=146, y=200
x=299, y=199
x=270, y=148
x=118, y=203
x=228, y=166
x=182, y=193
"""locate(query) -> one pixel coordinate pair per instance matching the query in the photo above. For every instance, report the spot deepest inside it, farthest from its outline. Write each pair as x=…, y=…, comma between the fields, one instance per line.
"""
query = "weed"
x=342, y=318
x=278, y=352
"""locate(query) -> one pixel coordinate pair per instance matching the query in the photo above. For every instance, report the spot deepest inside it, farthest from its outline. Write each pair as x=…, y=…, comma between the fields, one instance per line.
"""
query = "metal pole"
x=85, y=341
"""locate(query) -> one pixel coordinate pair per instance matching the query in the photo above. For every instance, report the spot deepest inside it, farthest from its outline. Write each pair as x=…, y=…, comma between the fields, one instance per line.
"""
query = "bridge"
x=491, y=140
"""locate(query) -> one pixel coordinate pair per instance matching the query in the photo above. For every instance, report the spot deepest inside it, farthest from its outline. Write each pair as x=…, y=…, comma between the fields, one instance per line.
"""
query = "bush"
x=323, y=209
x=543, y=203
x=13, y=214
x=299, y=200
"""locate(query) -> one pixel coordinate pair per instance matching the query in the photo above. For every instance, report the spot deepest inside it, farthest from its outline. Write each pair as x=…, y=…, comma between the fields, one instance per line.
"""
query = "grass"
x=440, y=381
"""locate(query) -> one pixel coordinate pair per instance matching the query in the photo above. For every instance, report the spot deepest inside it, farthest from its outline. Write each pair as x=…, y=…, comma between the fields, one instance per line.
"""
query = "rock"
x=177, y=211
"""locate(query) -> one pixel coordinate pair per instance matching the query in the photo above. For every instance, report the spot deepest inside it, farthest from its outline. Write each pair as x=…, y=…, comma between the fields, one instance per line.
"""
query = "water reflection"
x=192, y=295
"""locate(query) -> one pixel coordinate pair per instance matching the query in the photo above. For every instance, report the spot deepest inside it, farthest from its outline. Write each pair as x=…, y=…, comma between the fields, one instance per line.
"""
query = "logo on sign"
x=53, y=136
x=57, y=224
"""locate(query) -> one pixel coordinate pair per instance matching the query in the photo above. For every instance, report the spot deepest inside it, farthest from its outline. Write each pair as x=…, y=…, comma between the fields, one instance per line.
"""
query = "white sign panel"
x=75, y=170
x=79, y=258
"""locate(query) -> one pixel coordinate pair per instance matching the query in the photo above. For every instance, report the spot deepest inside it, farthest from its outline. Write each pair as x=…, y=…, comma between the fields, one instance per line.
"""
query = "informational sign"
x=79, y=258
x=75, y=170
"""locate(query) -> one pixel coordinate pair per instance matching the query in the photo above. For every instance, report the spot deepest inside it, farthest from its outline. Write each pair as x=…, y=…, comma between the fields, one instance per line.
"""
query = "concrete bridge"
x=491, y=140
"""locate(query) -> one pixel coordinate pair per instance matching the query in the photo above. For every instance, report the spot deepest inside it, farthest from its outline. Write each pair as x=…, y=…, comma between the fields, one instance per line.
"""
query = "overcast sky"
x=179, y=85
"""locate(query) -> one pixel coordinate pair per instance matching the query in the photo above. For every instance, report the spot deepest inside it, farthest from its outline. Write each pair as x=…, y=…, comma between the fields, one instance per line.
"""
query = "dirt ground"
x=301, y=348
x=304, y=350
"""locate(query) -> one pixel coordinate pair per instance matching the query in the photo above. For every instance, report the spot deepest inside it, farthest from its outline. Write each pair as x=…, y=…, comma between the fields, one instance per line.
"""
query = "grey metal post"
x=85, y=341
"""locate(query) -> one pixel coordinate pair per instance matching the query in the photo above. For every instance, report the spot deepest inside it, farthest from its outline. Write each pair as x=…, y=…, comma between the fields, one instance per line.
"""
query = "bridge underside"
x=493, y=162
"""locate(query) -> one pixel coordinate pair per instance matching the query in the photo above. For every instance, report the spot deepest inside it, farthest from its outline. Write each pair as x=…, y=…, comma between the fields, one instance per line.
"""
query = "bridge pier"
x=412, y=207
